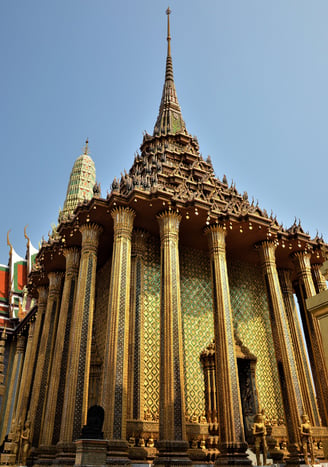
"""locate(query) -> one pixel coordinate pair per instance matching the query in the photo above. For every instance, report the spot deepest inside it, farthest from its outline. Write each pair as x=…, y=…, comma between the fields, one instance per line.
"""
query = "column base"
x=233, y=454
x=295, y=457
x=118, y=452
x=45, y=455
x=65, y=456
x=172, y=453
x=90, y=452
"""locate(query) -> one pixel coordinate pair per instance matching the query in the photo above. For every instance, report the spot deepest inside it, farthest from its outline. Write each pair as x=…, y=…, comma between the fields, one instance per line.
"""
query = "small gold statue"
x=141, y=442
x=25, y=443
x=150, y=442
x=259, y=432
x=147, y=414
x=132, y=442
x=306, y=439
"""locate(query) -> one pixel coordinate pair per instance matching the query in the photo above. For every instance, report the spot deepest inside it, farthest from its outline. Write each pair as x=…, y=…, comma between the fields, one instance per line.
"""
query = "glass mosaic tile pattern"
x=197, y=318
x=252, y=323
x=151, y=326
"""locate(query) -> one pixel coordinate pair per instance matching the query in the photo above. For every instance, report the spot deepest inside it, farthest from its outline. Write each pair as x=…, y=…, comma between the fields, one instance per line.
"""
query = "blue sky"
x=251, y=78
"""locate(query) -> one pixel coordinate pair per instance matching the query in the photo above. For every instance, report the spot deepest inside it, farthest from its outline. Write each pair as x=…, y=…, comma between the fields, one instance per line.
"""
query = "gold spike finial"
x=8, y=242
x=168, y=12
x=86, y=147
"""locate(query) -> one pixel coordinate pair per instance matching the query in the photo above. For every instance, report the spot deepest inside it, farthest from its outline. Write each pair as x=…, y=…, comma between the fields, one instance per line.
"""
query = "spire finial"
x=86, y=147
x=168, y=12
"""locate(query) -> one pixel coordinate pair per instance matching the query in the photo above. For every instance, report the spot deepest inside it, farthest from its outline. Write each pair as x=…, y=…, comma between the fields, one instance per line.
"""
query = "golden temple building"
x=170, y=304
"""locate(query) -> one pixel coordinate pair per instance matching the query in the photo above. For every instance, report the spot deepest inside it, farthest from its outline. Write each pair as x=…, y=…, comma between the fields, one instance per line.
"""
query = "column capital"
x=123, y=218
x=20, y=346
x=169, y=222
x=43, y=295
x=267, y=252
x=318, y=278
x=301, y=259
x=285, y=276
x=139, y=242
x=216, y=234
x=90, y=237
x=55, y=281
x=72, y=256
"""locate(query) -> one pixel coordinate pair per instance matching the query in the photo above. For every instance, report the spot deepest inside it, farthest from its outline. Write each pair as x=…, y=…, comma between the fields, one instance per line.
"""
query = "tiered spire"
x=81, y=183
x=169, y=120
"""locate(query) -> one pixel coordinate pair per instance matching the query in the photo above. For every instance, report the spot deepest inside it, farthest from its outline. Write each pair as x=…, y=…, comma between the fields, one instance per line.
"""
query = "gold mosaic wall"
x=151, y=326
x=100, y=323
x=197, y=318
x=251, y=320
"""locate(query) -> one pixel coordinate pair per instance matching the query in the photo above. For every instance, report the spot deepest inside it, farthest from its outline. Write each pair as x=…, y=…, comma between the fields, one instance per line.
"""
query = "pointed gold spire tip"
x=86, y=147
x=168, y=12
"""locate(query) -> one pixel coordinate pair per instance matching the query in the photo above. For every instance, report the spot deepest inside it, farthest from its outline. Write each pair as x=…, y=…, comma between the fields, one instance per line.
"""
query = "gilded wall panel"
x=151, y=326
x=252, y=323
x=197, y=319
x=99, y=331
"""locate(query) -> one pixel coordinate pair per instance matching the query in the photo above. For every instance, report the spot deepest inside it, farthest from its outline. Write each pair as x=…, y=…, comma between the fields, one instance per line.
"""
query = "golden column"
x=3, y=339
x=305, y=289
x=53, y=407
x=75, y=406
x=135, y=403
x=232, y=443
x=15, y=378
x=32, y=343
x=172, y=443
x=45, y=354
x=115, y=372
x=26, y=372
x=290, y=389
x=304, y=376
x=319, y=279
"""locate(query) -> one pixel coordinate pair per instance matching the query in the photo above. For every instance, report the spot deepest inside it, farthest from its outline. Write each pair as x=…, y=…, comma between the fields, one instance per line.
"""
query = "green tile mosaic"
x=252, y=323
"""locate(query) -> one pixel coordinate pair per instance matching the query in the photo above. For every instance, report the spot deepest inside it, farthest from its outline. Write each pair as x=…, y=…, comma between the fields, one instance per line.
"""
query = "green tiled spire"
x=81, y=183
x=169, y=120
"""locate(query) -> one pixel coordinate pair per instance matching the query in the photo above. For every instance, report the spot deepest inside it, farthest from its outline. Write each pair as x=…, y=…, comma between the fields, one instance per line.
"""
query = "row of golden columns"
x=65, y=347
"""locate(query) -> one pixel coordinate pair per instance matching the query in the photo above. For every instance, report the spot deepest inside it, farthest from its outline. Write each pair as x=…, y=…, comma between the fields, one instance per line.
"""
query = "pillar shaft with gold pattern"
x=232, y=443
x=172, y=429
x=26, y=372
x=304, y=289
x=45, y=354
x=290, y=389
x=32, y=342
x=304, y=376
x=319, y=279
x=135, y=403
x=115, y=373
x=14, y=384
x=53, y=408
x=75, y=405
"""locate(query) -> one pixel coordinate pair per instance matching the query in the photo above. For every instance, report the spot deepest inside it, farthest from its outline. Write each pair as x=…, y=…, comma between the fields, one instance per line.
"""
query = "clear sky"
x=251, y=78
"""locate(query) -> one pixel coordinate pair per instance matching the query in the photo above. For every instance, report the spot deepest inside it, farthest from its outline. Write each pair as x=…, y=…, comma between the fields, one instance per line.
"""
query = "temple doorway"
x=246, y=363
